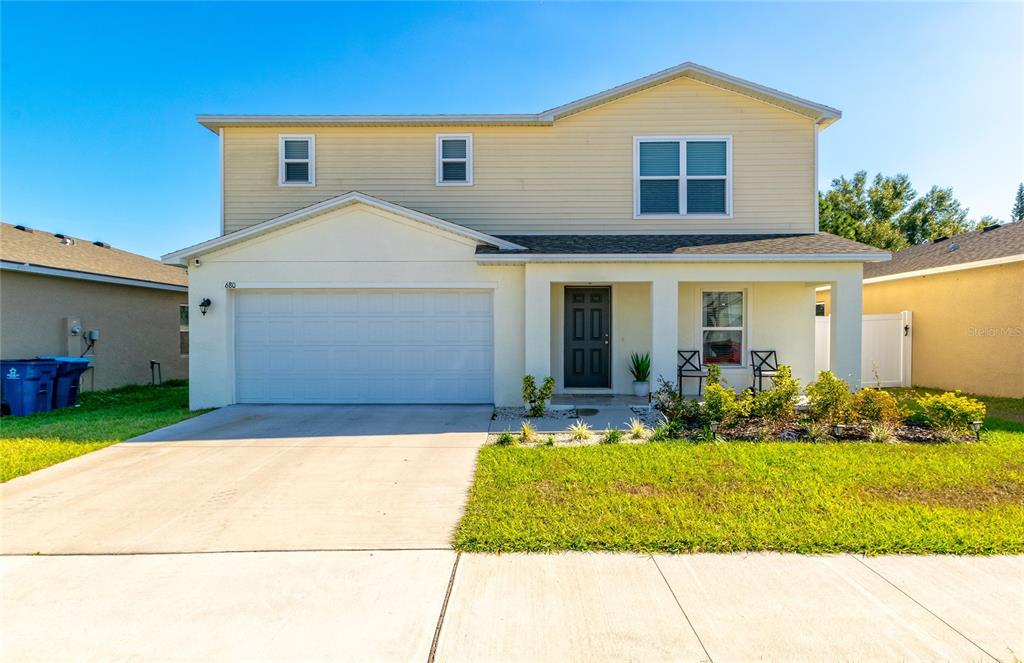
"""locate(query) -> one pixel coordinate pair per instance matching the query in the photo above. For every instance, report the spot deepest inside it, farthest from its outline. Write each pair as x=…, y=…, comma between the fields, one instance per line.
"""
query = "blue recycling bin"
x=26, y=385
x=65, y=386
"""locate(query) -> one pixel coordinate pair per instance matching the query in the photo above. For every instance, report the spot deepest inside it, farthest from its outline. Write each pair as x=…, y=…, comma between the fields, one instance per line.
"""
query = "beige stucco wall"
x=780, y=313
x=362, y=247
x=576, y=174
x=135, y=324
x=777, y=319
x=355, y=247
x=968, y=326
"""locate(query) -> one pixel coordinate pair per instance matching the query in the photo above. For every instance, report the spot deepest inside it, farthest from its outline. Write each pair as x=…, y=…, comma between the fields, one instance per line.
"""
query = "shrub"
x=527, y=433
x=777, y=406
x=829, y=399
x=673, y=406
x=637, y=429
x=640, y=367
x=877, y=406
x=818, y=432
x=613, y=436
x=580, y=431
x=721, y=405
x=884, y=432
x=506, y=439
x=549, y=441
x=951, y=413
x=666, y=430
x=537, y=399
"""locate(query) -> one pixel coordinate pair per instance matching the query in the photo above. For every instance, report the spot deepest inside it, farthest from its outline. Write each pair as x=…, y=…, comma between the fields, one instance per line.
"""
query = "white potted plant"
x=640, y=367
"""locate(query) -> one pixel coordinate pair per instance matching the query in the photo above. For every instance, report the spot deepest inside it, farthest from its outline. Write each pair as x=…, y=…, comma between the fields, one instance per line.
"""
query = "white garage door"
x=364, y=346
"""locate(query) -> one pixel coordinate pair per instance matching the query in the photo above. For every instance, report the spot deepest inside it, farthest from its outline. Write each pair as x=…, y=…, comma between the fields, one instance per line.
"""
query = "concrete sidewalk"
x=396, y=606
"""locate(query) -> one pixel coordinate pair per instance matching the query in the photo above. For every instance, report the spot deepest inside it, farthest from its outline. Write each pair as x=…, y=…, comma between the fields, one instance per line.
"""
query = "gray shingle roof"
x=45, y=249
x=801, y=244
x=997, y=242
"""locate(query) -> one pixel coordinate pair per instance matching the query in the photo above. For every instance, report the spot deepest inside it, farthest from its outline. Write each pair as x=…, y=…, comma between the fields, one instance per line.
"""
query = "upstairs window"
x=454, y=159
x=297, y=161
x=682, y=176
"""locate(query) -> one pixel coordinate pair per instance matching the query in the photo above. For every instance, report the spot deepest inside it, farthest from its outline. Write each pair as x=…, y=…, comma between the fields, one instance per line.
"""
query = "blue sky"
x=99, y=138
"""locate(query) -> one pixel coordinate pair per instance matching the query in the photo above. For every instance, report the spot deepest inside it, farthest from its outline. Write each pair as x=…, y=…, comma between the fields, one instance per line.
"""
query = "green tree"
x=888, y=213
x=852, y=209
x=1017, y=213
x=935, y=214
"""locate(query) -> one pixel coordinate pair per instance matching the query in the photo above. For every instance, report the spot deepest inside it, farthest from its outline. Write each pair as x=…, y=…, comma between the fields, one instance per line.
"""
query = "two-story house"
x=439, y=258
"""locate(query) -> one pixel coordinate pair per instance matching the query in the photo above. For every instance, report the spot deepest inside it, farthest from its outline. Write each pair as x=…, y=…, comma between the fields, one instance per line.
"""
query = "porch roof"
x=823, y=247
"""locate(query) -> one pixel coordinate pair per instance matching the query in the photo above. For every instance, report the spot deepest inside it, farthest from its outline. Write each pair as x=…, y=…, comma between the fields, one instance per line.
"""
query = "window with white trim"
x=722, y=326
x=183, y=329
x=297, y=160
x=454, y=159
x=682, y=176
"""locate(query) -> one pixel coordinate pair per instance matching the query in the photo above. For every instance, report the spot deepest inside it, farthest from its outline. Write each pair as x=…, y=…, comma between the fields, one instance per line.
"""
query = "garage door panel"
x=417, y=346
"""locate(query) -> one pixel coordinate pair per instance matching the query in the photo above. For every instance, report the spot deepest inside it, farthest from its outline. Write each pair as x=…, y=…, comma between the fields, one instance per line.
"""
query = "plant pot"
x=641, y=389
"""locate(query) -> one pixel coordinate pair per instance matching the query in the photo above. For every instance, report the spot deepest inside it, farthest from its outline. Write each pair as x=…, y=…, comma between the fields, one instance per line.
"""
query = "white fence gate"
x=885, y=349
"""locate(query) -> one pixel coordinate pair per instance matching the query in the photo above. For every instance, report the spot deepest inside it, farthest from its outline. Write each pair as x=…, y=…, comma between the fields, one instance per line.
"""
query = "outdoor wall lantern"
x=204, y=305
x=976, y=427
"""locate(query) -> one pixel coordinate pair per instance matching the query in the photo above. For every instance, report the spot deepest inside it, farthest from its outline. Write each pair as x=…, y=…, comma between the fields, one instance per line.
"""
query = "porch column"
x=664, y=329
x=537, y=320
x=845, y=329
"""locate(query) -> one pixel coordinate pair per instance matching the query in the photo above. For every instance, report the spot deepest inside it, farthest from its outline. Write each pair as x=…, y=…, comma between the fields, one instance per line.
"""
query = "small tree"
x=537, y=399
x=1017, y=213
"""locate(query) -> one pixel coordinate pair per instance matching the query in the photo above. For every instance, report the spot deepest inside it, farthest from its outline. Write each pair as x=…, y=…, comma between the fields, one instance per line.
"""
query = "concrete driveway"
x=258, y=478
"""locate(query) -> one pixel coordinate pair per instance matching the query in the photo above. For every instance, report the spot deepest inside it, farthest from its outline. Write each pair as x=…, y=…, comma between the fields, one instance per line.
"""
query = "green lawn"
x=103, y=418
x=964, y=498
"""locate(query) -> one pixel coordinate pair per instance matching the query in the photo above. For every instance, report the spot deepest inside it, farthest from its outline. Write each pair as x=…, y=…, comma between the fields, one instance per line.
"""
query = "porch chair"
x=690, y=366
x=764, y=364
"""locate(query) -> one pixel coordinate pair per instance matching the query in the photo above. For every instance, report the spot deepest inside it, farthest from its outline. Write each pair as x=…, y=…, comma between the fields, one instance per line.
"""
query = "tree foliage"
x=1017, y=213
x=888, y=213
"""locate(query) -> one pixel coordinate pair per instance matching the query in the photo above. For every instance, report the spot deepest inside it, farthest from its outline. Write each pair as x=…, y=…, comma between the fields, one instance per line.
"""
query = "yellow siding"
x=968, y=327
x=576, y=175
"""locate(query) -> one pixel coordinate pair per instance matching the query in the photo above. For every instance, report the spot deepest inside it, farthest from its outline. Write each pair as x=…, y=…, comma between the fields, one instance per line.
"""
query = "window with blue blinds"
x=680, y=176
x=454, y=159
x=297, y=161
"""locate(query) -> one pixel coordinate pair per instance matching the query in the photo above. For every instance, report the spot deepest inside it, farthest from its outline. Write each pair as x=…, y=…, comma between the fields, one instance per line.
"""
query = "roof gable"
x=821, y=114
x=331, y=204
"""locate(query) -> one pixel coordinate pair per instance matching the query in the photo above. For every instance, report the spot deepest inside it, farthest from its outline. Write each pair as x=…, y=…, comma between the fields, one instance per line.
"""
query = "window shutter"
x=705, y=158
x=659, y=196
x=296, y=149
x=296, y=172
x=659, y=159
x=453, y=149
x=453, y=171
x=705, y=196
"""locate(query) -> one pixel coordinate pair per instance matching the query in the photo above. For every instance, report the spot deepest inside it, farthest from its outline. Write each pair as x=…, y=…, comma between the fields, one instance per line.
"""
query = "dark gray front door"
x=588, y=319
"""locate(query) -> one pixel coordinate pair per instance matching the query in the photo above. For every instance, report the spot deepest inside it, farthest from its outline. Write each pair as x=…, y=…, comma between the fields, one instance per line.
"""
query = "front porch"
x=582, y=321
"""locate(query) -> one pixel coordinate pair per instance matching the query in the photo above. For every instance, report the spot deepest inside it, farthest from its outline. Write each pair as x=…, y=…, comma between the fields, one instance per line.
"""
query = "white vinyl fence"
x=885, y=349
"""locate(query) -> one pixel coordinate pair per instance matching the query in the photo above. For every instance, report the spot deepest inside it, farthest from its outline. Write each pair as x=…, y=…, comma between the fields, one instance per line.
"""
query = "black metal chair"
x=690, y=366
x=764, y=364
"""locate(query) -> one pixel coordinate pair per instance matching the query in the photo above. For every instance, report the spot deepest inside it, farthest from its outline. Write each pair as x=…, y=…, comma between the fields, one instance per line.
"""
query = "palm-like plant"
x=640, y=366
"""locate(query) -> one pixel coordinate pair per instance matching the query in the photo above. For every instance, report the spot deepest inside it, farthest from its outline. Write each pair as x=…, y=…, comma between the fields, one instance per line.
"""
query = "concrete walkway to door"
x=248, y=478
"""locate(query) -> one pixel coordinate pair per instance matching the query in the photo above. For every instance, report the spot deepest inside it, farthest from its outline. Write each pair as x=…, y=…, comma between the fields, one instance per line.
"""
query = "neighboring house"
x=966, y=295
x=56, y=289
x=439, y=258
